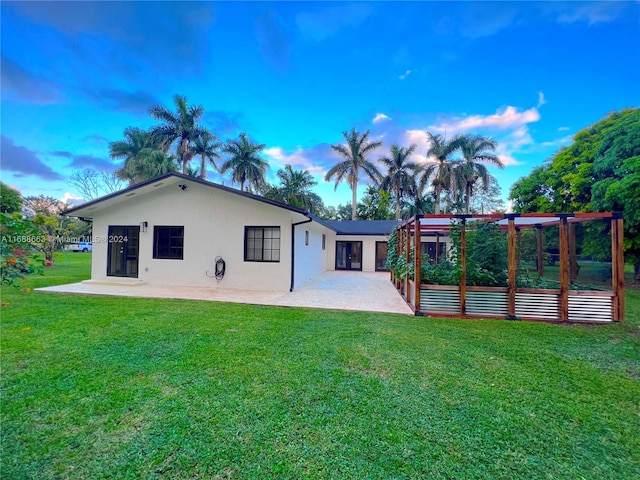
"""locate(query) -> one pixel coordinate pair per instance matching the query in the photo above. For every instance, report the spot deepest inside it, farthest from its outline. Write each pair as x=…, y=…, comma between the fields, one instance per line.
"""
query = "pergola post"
x=540, y=249
x=463, y=268
x=564, y=270
x=512, y=271
x=407, y=259
x=400, y=247
x=417, y=264
x=617, y=267
x=437, y=258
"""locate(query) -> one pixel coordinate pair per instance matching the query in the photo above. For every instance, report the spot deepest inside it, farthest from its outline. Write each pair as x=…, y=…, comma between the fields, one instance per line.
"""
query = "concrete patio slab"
x=337, y=290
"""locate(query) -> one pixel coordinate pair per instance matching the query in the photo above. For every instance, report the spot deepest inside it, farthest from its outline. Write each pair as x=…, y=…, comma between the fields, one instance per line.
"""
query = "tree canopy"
x=599, y=171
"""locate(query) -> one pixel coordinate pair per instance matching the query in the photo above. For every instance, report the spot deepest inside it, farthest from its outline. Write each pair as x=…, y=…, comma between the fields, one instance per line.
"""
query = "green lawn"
x=98, y=387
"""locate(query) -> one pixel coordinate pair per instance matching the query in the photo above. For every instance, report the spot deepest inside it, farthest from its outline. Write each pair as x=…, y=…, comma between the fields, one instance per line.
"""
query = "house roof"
x=359, y=227
x=173, y=178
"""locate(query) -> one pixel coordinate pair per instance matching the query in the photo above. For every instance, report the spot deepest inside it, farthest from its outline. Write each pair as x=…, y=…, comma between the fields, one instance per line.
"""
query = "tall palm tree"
x=148, y=163
x=400, y=173
x=476, y=150
x=180, y=126
x=295, y=189
x=354, y=153
x=135, y=139
x=142, y=156
x=244, y=162
x=440, y=170
x=206, y=145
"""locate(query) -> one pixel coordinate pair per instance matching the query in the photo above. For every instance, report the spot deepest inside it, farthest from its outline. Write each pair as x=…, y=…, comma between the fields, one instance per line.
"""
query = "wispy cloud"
x=298, y=159
x=541, y=100
x=380, y=117
x=566, y=140
x=328, y=22
x=22, y=85
x=21, y=160
x=505, y=118
x=563, y=129
x=485, y=19
x=592, y=13
x=405, y=75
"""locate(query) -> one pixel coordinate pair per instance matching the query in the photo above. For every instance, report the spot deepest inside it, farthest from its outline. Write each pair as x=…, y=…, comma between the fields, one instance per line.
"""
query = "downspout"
x=293, y=249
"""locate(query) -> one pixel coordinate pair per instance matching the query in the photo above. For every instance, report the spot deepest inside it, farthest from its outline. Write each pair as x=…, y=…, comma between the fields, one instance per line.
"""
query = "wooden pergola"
x=560, y=304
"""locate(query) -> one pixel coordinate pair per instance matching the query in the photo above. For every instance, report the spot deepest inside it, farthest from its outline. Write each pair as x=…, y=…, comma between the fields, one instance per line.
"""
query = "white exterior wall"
x=368, y=249
x=214, y=222
x=310, y=260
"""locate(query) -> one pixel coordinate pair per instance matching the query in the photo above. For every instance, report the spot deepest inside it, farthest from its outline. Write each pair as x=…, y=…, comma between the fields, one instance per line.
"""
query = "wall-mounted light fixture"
x=143, y=226
x=182, y=186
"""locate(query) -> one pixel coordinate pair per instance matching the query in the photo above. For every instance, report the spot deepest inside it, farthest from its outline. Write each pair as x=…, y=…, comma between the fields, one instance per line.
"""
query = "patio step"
x=129, y=282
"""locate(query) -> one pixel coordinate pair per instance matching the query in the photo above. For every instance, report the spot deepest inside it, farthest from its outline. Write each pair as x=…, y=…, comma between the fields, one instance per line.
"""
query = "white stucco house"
x=170, y=230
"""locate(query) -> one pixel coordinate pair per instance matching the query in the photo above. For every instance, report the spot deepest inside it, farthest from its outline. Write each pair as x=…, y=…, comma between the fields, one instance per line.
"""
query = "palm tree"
x=207, y=146
x=354, y=153
x=245, y=164
x=476, y=149
x=135, y=139
x=178, y=126
x=148, y=163
x=295, y=189
x=440, y=171
x=400, y=172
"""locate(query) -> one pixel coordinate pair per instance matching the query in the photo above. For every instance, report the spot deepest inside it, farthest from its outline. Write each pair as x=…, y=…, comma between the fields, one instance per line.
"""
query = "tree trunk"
x=203, y=168
x=437, y=204
x=467, y=199
x=354, y=199
x=185, y=157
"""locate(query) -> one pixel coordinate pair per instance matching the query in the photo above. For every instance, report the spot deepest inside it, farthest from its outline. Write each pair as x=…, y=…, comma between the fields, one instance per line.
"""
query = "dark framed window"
x=261, y=244
x=306, y=237
x=168, y=242
x=324, y=241
x=382, y=249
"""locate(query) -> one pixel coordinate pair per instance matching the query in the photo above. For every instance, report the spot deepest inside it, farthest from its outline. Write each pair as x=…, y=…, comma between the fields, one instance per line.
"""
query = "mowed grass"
x=100, y=387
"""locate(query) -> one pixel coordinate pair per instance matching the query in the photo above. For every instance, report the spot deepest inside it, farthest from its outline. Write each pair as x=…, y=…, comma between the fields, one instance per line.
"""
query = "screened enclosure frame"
x=561, y=304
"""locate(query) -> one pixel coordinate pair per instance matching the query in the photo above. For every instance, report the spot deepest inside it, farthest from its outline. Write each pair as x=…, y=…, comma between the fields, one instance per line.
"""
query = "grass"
x=99, y=387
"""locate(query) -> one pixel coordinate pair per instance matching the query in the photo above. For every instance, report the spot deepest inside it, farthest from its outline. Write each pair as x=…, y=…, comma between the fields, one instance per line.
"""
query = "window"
x=306, y=237
x=168, y=242
x=324, y=241
x=261, y=244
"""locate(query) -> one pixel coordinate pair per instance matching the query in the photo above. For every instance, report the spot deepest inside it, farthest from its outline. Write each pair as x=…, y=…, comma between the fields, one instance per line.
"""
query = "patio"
x=337, y=290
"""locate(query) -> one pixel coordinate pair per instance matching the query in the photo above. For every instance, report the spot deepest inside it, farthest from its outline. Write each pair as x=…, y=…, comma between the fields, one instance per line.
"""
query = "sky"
x=295, y=75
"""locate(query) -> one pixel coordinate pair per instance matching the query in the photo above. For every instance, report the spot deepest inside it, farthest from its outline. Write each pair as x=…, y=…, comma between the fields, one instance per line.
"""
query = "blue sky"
x=295, y=75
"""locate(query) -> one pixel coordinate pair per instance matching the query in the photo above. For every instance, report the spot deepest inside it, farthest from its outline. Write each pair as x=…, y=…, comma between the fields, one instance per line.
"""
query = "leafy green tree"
x=148, y=163
x=10, y=199
x=180, y=126
x=245, y=164
x=143, y=154
x=470, y=172
x=599, y=171
x=295, y=189
x=375, y=205
x=207, y=146
x=355, y=153
x=17, y=236
x=440, y=172
x=400, y=175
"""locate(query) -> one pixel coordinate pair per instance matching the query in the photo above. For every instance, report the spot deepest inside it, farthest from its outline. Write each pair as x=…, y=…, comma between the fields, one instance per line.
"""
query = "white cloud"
x=405, y=75
x=71, y=198
x=503, y=119
x=592, y=13
x=563, y=129
x=279, y=158
x=380, y=117
x=541, y=100
x=559, y=142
